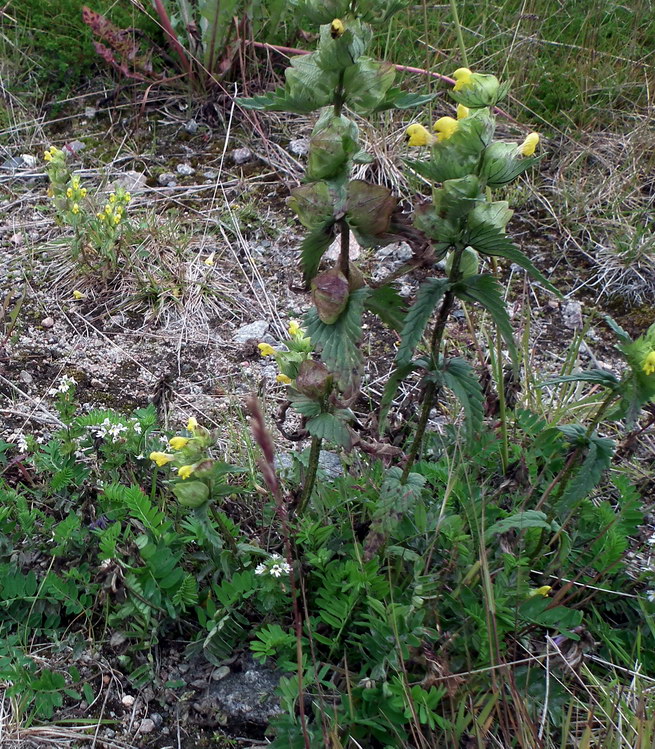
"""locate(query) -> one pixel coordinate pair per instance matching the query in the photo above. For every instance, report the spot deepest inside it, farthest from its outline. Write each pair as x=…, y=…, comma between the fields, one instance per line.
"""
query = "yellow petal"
x=649, y=364
x=265, y=349
x=192, y=424
x=445, y=127
x=78, y=295
x=462, y=78
x=294, y=328
x=544, y=590
x=284, y=379
x=210, y=259
x=462, y=111
x=184, y=471
x=527, y=148
x=161, y=458
x=177, y=443
x=419, y=136
x=337, y=28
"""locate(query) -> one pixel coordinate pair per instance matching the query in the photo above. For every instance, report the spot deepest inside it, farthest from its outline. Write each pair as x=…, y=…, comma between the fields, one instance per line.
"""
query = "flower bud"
x=314, y=379
x=330, y=291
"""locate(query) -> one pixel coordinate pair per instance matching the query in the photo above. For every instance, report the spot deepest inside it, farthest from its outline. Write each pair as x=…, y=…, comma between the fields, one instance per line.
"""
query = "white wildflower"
x=650, y=595
x=115, y=431
x=63, y=386
x=275, y=566
x=136, y=427
x=260, y=569
x=18, y=438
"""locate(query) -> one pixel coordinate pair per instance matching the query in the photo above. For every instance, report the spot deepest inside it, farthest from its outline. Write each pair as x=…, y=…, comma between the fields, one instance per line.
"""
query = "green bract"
x=331, y=146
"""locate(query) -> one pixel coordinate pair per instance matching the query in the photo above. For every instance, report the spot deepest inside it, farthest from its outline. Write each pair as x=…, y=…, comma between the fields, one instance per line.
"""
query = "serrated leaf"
x=485, y=290
x=366, y=84
x=314, y=247
x=596, y=462
x=621, y=334
x=489, y=240
x=388, y=305
x=329, y=427
x=521, y=520
x=459, y=376
x=594, y=376
x=305, y=406
x=339, y=342
x=429, y=295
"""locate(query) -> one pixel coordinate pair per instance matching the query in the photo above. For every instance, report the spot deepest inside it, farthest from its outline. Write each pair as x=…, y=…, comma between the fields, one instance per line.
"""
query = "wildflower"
x=63, y=386
x=136, y=427
x=127, y=197
x=275, y=566
x=101, y=216
x=463, y=77
x=210, y=259
x=650, y=595
x=115, y=431
x=294, y=328
x=192, y=424
x=265, y=349
x=284, y=379
x=78, y=295
x=47, y=156
x=161, y=458
x=177, y=443
x=527, y=148
x=544, y=590
x=69, y=192
x=76, y=208
x=117, y=220
x=444, y=127
x=337, y=28
x=462, y=111
x=112, y=198
x=102, y=430
x=649, y=364
x=108, y=209
x=75, y=181
x=184, y=471
x=83, y=192
x=19, y=439
x=260, y=569
x=419, y=136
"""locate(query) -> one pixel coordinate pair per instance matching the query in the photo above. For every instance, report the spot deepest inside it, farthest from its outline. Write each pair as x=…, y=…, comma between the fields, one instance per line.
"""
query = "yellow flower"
x=78, y=295
x=527, y=148
x=108, y=209
x=444, y=127
x=47, y=156
x=117, y=220
x=112, y=198
x=127, y=197
x=161, y=458
x=177, y=443
x=265, y=349
x=294, y=328
x=53, y=150
x=544, y=590
x=419, y=136
x=76, y=208
x=184, y=471
x=210, y=259
x=462, y=111
x=337, y=28
x=83, y=192
x=284, y=379
x=69, y=193
x=101, y=216
x=649, y=364
x=463, y=77
x=192, y=424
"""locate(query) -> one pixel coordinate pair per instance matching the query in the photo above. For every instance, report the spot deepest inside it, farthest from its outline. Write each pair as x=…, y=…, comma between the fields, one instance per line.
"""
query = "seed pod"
x=314, y=379
x=330, y=294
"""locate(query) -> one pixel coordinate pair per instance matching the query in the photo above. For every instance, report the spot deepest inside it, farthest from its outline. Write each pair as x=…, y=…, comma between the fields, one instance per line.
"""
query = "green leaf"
x=313, y=248
x=329, y=427
x=312, y=203
x=429, y=295
x=408, y=100
x=339, y=342
x=597, y=460
x=520, y=521
x=388, y=305
x=459, y=376
x=366, y=84
x=368, y=211
x=594, y=376
x=485, y=290
x=621, y=334
x=489, y=240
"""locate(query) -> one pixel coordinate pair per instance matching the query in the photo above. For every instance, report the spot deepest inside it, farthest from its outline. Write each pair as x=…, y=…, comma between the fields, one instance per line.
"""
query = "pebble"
x=572, y=315
x=131, y=181
x=147, y=725
x=299, y=146
x=241, y=155
x=74, y=147
x=256, y=330
x=90, y=112
x=167, y=179
x=30, y=161
x=47, y=322
x=191, y=126
x=128, y=700
x=25, y=377
x=334, y=250
x=186, y=170
x=156, y=719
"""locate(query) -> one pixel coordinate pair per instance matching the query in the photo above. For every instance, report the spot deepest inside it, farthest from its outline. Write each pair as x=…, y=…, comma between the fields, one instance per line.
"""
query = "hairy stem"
x=310, y=478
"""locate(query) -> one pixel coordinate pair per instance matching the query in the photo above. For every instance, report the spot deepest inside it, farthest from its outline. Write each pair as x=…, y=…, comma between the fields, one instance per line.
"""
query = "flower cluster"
x=112, y=214
x=108, y=429
x=65, y=384
x=189, y=451
x=276, y=566
x=299, y=349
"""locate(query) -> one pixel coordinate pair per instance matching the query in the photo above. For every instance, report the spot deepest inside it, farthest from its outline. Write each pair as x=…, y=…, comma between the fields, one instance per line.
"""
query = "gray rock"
x=191, y=126
x=47, y=322
x=13, y=163
x=256, y=330
x=74, y=147
x=29, y=160
x=246, y=696
x=90, y=112
x=210, y=174
x=167, y=179
x=241, y=155
x=185, y=170
x=334, y=250
x=147, y=725
x=330, y=464
x=572, y=315
x=299, y=146
x=25, y=377
x=131, y=181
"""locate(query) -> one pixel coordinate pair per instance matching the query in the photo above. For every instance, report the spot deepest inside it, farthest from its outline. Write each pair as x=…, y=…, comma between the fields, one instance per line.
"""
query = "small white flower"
x=650, y=595
x=136, y=427
x=115, y=431
x=276, y=570
x=63, y=386
x=18, y=438
x=260, y=569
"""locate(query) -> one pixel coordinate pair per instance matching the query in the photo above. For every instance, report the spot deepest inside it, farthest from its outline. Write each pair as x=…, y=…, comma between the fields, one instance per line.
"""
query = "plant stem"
x=225, y=533
x=500, y=383
x=344, y=257
x=458, y=29
x=310, y=478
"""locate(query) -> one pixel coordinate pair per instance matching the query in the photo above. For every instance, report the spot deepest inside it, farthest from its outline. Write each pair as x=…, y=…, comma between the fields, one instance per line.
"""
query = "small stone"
x=330, y=464
x=147, y=725
x=256, y=330
x=131, y=181
x=117, y=639
x=334, y=250
x=299, y=146
x=572, y=315
x=25, y=377
x=47, y=322
x=156, y=719
x=90, y=112
x=13, y=163
x=167, y=179
x=30, y=161
x=16, y=239
x=74, y=147
x=185, y=170
x=220, y=673
x=128, y=700
x=241, y=155
x=211, y=174
x=191, y=126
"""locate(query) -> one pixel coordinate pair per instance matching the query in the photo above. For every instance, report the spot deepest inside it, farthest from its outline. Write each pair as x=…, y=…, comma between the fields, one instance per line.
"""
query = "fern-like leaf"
x=597, y=460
